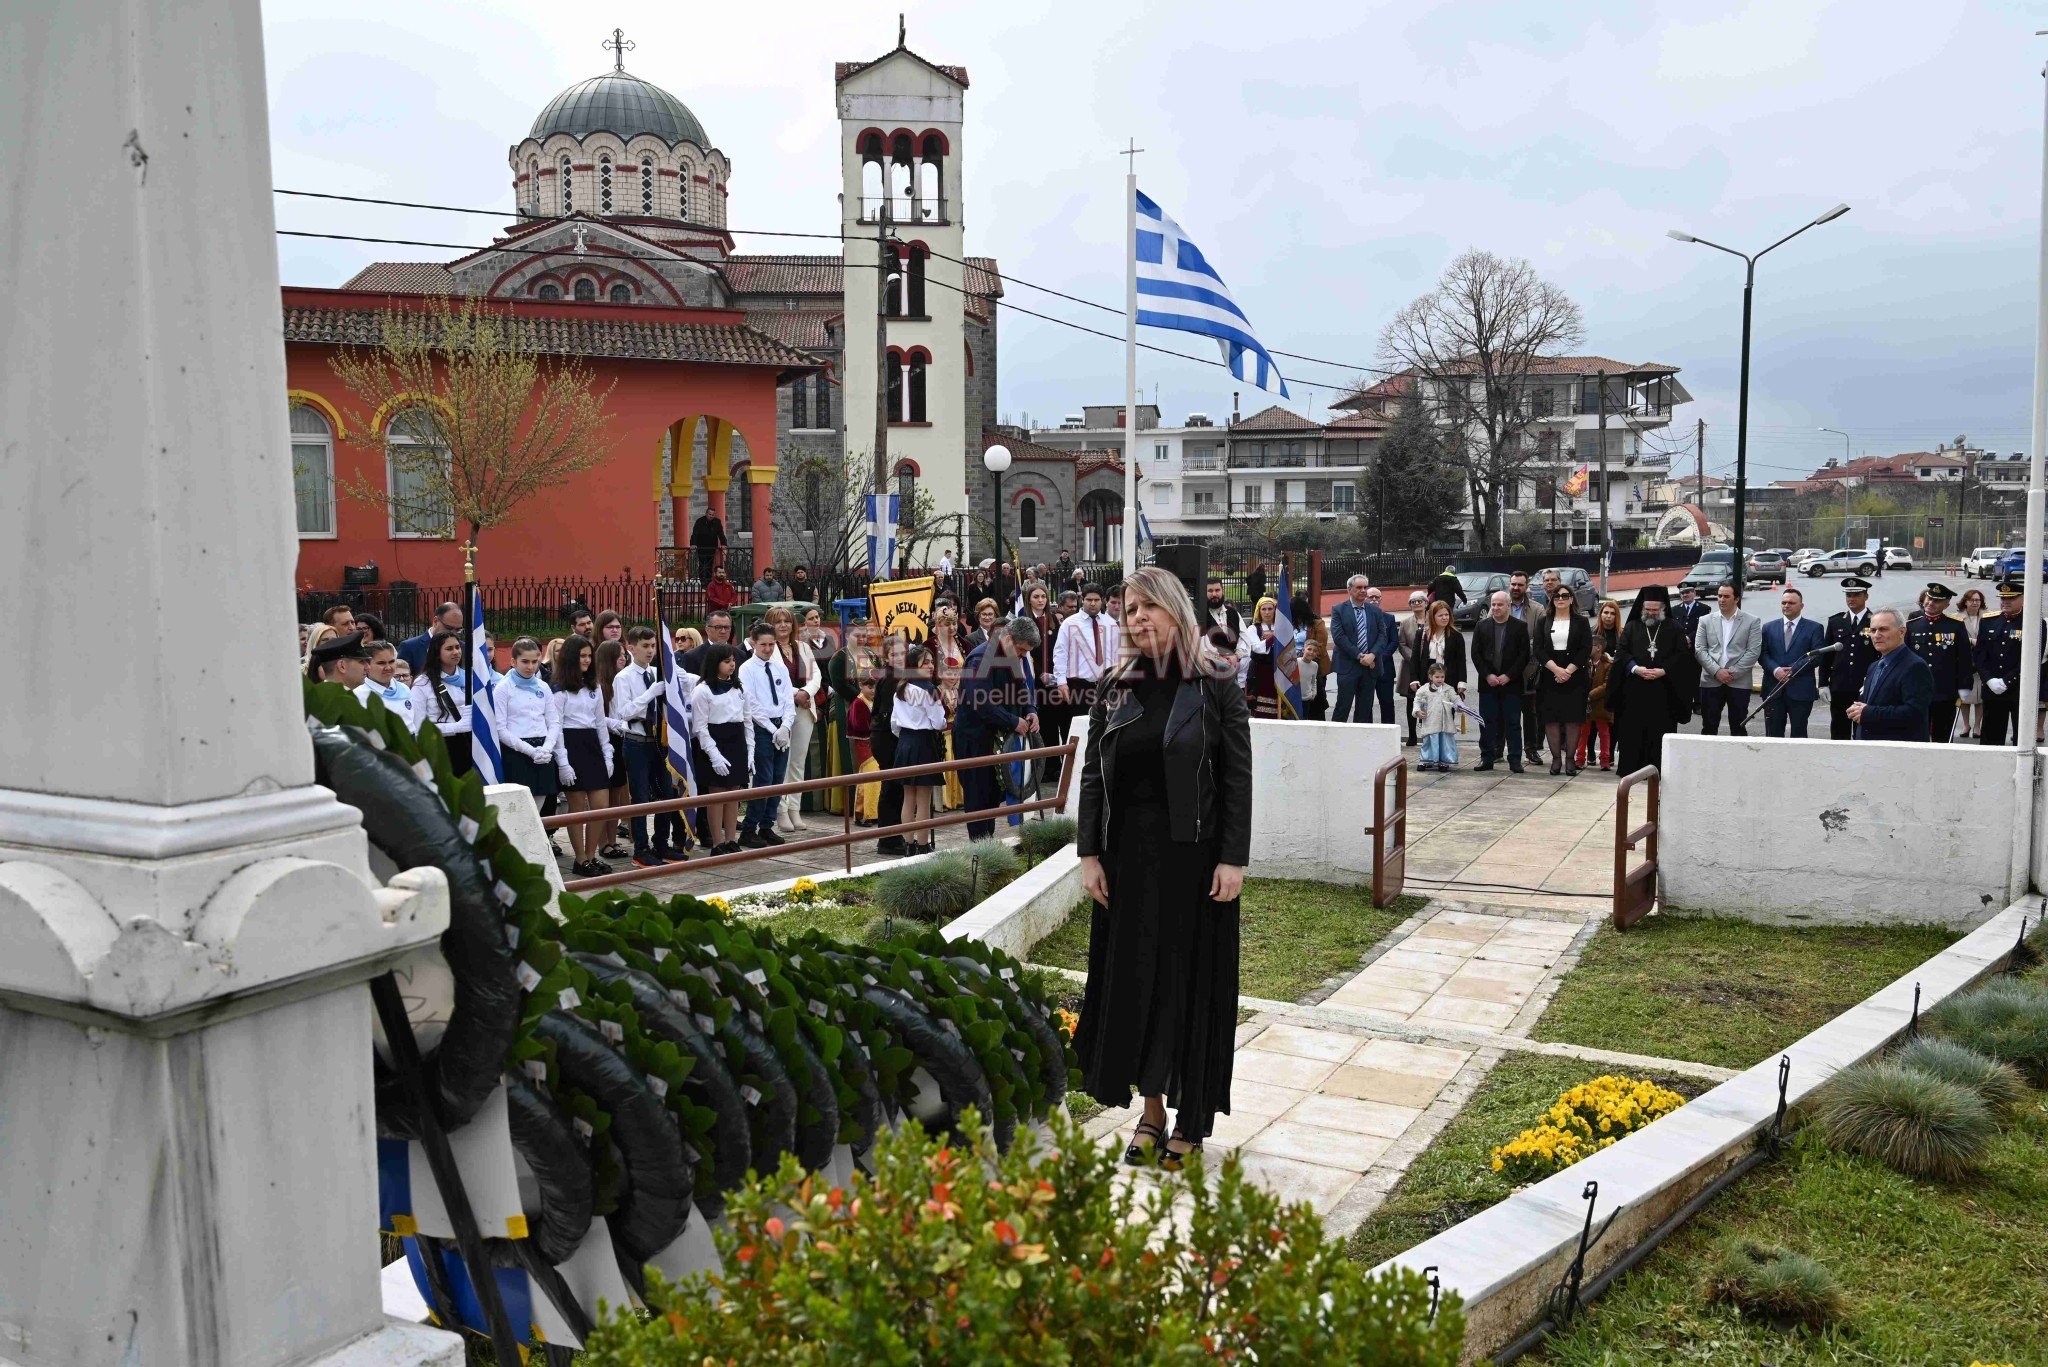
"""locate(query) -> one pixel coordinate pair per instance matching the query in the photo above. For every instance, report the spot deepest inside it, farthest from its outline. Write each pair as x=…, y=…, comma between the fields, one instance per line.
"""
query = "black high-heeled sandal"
x=1138, y=1155
x=1173, y=1161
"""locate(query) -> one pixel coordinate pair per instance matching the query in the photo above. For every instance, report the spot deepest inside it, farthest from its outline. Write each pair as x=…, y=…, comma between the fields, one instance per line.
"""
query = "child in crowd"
x=401, y=674
x=860, y=730
x=636, y=694
x=1436, y=721
x=719, y=720
x=442, y=698
x=381, y=679
x=584, y=763
x=771, y=707
x=611, y=659
x=528, y=728
x=919, y=721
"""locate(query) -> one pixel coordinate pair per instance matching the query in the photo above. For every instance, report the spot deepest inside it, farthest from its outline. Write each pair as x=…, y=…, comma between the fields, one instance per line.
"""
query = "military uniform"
x=1851, y=631
x=1943, y=642
x=1998, y=657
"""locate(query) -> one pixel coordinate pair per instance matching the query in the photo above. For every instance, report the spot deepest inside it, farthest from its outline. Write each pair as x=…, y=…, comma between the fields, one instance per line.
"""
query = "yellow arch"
x=718, y=474
x=683, y=458
x=312, y=400
x=382, y=421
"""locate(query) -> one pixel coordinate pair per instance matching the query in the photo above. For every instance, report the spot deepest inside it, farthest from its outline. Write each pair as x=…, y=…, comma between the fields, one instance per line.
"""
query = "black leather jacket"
x=1208, y=745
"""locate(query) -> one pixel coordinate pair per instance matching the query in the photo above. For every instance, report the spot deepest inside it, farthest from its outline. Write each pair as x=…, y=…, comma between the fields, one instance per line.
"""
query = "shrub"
x=1998, y=1085
x=994, y=864
x=1585, y=1120
x=958, y=1255
x=1775, y=1284
x=2006, y=1019
x=1044, y=837
x=934, y=889
x=1908, y=1120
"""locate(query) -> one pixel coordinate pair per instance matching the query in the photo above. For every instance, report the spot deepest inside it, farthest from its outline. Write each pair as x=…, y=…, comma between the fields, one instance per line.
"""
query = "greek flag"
x=483, y=709
x=1179, y=289
x=883, y=517
x=1287, y=660
x=675, y=709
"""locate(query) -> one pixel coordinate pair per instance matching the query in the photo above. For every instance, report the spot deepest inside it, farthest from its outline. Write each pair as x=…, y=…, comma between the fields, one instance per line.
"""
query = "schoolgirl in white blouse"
x=440, y=696
x=584, y=762
x=721, y=720
x=528, y=729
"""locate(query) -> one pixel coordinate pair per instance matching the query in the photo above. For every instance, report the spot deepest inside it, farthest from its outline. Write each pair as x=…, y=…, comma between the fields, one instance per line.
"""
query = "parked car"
x=1479, y=586
x=1714, y=568
x=1581, y=585
x=1804, y=556
x=1851, y=561
x=1982, y=563
x=2012, y=564
x=1897, y=558
x=1765, y=567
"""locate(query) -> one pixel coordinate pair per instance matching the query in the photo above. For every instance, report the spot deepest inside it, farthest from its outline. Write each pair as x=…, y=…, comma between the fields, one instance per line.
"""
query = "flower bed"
x=1584, y=1120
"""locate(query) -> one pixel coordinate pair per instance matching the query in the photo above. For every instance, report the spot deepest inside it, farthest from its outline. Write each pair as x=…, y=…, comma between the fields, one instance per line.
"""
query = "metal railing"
x=1389, y=860
x=1635, y=890
x=846, y=839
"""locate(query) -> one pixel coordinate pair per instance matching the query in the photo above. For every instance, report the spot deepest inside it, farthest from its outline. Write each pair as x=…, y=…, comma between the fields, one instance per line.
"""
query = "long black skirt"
x=1160, y=1014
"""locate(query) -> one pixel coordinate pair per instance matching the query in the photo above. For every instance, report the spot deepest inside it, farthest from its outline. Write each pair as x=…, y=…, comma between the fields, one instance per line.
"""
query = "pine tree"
x=1414, y=491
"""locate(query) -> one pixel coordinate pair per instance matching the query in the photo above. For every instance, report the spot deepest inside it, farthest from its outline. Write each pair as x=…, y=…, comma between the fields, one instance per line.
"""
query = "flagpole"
x=1131, y=363
x=468, y=617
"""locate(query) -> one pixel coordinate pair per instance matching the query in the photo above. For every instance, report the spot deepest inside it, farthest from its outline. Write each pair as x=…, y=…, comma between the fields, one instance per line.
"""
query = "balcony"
x=1204, y=509
x=1206, y=463
x=903, y=212
x=1241, y=459
x=1296, y=507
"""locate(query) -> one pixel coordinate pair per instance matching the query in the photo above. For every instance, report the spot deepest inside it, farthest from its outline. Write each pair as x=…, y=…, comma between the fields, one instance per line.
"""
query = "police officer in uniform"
x=1851, y=631
x=1940, y=640
x=1998, y=660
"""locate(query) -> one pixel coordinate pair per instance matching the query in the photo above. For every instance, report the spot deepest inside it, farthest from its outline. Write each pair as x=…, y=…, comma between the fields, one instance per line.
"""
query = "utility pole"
x=1601, y=380
x=1963, y=499
x=884, y=255
x=1699, y=450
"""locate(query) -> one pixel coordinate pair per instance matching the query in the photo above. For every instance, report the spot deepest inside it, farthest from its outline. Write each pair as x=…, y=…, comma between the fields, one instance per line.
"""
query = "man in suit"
x=1727, y=643
x=1942, y=641
x=1999, y=653
x=1529, y=607
x=1689, y=611
x=1897, y=688
x=413, y=649
x=1850, y=630
x=1358, y=633
x=1786, y=644
x=1500, y=658
x=997, y=700
x=1385, y=651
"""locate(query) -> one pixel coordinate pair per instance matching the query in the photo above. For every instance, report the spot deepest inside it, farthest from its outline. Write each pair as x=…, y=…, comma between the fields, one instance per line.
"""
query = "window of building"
x=799, y=407
x=622, y=294
x=686, y=182
x=892, y=285
x=915, y=280
x=568, y=189
x=906, y=493
x=604, y=184
x=533, y=185
x=549, y=290
x=902, y=180
x=743, y=520
x=1202, y=498
x=586, y=291
x=872, y=183
x=931, y=179
x=647, y=185
x=417, y=472
x=313, y=470
x=1027, y=519
x=822, y=409
x=920, y=365
x=1161, y=493
x=1254, y=496
x=1541, y=402
x=895, y=369
x=1343, y=496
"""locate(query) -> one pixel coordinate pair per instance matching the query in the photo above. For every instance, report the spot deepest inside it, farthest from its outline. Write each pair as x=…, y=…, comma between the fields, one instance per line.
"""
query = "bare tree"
x=819, y=508
x=1469, y=347
x=473, y=418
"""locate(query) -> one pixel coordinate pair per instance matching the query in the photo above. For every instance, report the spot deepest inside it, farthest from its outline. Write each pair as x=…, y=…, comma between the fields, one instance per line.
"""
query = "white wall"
x=1790, y=831
x=1311, y=796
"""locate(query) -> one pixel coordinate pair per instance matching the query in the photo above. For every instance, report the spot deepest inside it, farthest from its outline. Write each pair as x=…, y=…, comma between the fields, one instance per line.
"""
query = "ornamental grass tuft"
x=2006, y=1019
x=935, y=889
x=1999, y=1085
x=994, y=863
x=1770, y=1283
x=1910, y=1121
x=1044, y=837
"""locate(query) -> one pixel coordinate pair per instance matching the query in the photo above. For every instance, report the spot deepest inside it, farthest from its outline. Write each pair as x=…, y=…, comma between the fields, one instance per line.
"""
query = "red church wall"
x=601, y=524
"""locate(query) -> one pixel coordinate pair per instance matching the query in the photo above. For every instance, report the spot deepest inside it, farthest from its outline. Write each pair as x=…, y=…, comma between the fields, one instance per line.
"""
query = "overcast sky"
x=1330, y=160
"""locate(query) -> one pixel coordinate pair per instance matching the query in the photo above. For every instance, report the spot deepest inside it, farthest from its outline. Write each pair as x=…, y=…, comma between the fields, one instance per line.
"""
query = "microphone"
x=1824, y=650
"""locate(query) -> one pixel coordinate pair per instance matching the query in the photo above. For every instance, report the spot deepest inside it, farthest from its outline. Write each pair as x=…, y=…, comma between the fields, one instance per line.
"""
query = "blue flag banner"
x=675, y=709
x=882, y=523
x=1287, y=665
x=483, y=710
x=1179, y=289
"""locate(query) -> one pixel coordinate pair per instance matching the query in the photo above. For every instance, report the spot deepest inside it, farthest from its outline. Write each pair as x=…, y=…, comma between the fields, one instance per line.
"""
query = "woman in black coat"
x=1561, y=647
x=1165, y=833
x=1438, y=639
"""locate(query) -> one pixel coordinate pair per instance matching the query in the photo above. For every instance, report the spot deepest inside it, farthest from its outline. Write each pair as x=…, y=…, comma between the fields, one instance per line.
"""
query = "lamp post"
x=996, y=460
x=1844, y=482
x=1749, y=260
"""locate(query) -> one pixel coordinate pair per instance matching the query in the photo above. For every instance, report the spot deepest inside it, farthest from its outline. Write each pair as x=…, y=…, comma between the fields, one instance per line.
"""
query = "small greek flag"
x=883, y=517
x=483, y=701
x=1287, y=660
x=1179, y=289
x=675, y=709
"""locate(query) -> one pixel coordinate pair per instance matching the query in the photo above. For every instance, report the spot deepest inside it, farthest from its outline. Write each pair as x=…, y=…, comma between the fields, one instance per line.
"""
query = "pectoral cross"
x=618, y=45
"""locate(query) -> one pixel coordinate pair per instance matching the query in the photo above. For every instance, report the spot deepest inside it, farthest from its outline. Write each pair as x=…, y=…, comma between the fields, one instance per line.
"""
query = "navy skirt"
x=730, y=738
x=539, y=779
x=586, y=761
x=920, y=747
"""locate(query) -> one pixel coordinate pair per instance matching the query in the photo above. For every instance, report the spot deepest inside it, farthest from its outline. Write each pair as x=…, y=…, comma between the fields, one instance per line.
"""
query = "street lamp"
x=1742, y=407
x=996, y=460
x=1844, y=481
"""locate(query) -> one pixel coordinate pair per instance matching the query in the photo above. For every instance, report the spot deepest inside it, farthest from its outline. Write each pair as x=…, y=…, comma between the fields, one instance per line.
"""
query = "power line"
x=1347, y=366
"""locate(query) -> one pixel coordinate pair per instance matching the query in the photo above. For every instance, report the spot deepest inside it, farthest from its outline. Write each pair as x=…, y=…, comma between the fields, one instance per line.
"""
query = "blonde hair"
x=1158, y=588
x=1267, y=602
x=314, y=638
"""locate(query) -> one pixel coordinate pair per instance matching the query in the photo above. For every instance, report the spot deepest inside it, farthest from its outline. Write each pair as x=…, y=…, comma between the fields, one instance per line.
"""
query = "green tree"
x=1414, y=491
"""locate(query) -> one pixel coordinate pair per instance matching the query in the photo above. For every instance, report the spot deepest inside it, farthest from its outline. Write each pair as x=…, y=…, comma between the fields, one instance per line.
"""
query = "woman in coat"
x=1596, y=741
x=1561, y=646
x=1438, y=640
x=1164, y=835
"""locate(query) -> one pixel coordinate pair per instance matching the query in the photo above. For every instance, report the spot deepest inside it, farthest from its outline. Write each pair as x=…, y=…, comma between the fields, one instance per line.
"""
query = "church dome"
x=622, y=105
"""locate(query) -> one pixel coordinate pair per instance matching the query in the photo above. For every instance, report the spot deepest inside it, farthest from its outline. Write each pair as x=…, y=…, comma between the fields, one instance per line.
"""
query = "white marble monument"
x=187, y=924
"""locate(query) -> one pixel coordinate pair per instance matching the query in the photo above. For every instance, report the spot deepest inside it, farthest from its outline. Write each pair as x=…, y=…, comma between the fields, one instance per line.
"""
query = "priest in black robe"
x=1653, y=682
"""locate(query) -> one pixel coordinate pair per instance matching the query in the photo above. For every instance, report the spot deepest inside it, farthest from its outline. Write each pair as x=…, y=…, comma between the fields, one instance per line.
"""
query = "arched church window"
x=902, y=186
x=895, y=369
x=906, y=493
x=550, y=291
x=568, y=190
x=647, y=185
x=872, y=183
x=892, y=285
x=931, y=179
x=799, y=409
x=622, y=294
x=604, y=185
x=533, y=185
x=914, y=279
x=1027, y=519
x=920, y=363
x=822, y=410
x=586, y=291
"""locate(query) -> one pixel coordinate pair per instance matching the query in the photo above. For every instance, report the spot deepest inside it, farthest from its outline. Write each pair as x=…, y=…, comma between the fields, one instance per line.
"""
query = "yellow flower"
x=803, y=892
x=719, y=905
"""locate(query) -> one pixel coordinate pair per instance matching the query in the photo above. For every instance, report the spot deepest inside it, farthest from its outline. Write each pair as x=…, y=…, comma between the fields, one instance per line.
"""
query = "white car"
x=1843, y=562
x=1982, y=562
x=1805, y=556
x=1897, y=558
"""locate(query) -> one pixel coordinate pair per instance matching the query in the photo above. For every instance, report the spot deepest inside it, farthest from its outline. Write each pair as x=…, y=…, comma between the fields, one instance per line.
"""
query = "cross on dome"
x=618, y=45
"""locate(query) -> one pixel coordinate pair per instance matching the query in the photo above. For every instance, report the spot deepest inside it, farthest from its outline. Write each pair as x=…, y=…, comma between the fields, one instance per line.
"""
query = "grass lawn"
x=847, y=921
x=1932, y=1274
x=1453, y=1178
x=1293, y=934
x=1727, y=992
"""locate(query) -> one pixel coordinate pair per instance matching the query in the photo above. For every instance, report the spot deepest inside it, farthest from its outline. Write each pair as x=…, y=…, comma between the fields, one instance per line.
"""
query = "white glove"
x=1996, y=686
x=782, y=736
x=563, y=770
x=720, y=766
x=542, y=755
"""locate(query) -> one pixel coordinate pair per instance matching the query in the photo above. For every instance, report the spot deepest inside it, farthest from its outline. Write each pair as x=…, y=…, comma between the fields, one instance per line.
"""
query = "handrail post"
x=1635, y=893
x=1389, y=863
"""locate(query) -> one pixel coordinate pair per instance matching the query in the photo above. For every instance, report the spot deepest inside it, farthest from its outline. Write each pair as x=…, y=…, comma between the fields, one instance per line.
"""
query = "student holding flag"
x=440, y=694
x=637, y=694
x=1263, y=642
x=484, y=752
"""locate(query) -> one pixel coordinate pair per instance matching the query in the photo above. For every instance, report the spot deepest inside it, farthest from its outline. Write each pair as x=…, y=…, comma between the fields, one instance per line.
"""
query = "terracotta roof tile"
x=805, y=331
x=785, y=274
x=1021, y=449
x=625, y=338
x=956, y=74
x=1276, y=419
x=404, y=277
